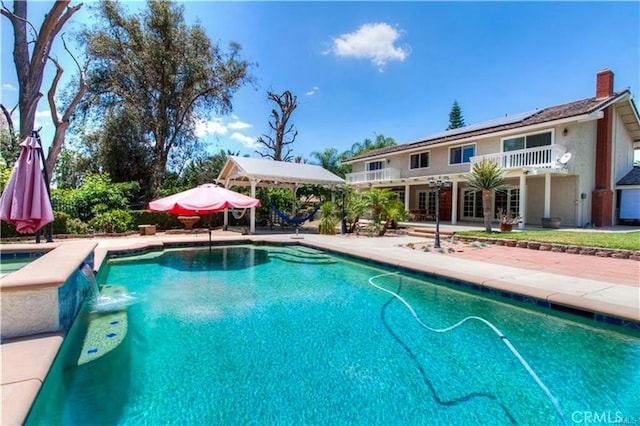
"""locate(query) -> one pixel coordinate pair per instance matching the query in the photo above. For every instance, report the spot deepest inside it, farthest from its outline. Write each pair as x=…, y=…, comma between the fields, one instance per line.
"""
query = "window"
x=472, y=204
x=375, y=165
x=528, y=141
x=461, y=154
x=427, y=201
x=509, y=200
x=419, y=161
x=422, y=200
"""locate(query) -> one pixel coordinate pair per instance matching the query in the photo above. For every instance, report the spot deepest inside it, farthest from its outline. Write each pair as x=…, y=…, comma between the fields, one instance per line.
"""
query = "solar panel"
x=484, y=125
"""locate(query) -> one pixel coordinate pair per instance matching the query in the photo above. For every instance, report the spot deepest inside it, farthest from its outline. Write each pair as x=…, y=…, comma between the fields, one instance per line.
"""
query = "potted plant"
x=551, y=222
x=507, y=219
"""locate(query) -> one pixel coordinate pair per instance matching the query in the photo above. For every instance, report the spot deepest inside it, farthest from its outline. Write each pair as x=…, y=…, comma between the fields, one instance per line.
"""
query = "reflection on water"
x=218, y=259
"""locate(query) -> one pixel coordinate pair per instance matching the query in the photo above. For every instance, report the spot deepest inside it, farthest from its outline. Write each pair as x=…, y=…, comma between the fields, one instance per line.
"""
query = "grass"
x=609, y=240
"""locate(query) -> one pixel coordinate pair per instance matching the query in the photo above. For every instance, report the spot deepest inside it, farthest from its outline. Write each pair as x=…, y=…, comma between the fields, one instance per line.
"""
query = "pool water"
x=292, y=335
x=13, y=262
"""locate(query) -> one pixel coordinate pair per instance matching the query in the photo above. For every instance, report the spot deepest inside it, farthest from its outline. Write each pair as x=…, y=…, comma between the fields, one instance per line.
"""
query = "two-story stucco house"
x=563, y=161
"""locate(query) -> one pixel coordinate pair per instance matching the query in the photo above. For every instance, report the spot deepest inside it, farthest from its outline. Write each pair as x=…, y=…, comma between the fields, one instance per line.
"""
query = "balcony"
x=381, y=175
x=539, y=157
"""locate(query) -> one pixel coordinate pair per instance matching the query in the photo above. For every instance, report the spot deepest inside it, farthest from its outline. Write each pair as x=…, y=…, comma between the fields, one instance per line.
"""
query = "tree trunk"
x=486, y=209
x=61, y=124
x=30, y=70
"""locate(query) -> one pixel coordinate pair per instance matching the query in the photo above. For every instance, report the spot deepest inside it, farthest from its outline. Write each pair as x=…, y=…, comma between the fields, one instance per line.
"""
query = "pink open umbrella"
x=25, y=200
x=203, y=199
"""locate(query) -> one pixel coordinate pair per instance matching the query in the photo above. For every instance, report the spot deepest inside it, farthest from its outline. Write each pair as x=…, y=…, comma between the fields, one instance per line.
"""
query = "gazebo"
x=255, y=172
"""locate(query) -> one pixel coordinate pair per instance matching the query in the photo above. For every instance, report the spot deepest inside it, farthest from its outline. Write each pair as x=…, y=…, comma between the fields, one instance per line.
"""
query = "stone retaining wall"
x=557, y=248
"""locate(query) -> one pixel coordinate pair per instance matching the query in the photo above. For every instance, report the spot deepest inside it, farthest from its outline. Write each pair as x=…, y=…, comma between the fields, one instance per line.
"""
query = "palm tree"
x=487, y=177
x=330, y=160
x=368, y=145
x=384, y=208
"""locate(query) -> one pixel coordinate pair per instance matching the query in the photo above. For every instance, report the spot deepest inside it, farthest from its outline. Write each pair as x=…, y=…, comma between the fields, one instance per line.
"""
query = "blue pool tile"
x=92, y=351
x=631, y=325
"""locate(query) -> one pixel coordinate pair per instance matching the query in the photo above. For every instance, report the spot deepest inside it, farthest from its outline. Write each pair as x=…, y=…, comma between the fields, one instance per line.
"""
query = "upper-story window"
x=462, y=154
x=375, y=165
x=419, y=161
x=527, y=141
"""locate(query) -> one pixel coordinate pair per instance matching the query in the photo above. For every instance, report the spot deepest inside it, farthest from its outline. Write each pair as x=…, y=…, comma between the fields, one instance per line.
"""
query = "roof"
x=558, y=112
x=242, y=170
x=631, y=178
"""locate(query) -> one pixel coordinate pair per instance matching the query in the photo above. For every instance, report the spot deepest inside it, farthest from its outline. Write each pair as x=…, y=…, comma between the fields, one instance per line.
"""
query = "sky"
x=394, y=68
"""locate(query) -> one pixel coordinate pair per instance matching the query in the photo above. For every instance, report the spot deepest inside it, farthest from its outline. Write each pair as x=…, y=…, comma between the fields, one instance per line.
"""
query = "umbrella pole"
x=49, y=234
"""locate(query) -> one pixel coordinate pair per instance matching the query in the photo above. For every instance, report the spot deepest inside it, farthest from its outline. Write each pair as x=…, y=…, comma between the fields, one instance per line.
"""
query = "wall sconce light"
x=565, y=132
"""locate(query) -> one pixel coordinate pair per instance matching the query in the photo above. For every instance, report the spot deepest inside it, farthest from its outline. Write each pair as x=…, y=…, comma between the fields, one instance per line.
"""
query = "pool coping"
x=50, y=270
x=20, y=386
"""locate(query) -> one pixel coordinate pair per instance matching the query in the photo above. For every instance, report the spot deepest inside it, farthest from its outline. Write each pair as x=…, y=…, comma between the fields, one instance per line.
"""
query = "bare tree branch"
x=6, y=12
x=62, y=125
x=7, y=116
x=30, y=64
x=276, y=146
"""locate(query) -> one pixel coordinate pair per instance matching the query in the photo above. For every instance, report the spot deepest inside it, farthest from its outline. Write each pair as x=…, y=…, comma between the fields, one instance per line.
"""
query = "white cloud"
x=43, y=114
x=211, y=127
x=9, y=87
x=313, y=91
x=374, y=42
x=238, y=125
x=245, y=140
x=43, y=119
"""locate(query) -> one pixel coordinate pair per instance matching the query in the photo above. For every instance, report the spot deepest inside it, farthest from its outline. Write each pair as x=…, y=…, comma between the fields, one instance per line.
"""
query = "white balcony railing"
x=540, y=157
x=373, y=176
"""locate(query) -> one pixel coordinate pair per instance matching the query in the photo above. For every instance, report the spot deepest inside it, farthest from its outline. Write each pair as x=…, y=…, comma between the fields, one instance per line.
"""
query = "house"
x=564, y=162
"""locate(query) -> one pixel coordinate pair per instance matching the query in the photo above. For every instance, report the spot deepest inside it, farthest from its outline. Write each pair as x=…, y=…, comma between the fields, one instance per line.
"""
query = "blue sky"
x=361, y=68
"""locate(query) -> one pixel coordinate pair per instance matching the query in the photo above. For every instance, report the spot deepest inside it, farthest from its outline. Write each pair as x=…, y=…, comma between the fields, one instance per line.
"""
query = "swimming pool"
x=11, y=262
x=289, y=334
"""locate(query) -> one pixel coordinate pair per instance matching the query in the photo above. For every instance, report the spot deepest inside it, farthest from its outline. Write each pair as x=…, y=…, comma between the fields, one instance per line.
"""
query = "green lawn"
x=611, y=240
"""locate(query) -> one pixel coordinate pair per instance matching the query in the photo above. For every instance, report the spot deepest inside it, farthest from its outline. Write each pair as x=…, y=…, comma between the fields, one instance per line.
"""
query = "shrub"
x=328, y=221
x=98, y=194
x=63, y=223
x=112, y=221
x=8, y=230
x=60, y=222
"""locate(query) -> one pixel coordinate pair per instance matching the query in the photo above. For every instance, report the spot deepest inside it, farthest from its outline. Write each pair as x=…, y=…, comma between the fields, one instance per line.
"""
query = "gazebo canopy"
x=244, y=170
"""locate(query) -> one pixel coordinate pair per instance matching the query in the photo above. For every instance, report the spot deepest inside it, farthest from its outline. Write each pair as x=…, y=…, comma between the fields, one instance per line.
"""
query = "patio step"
x=423, y=232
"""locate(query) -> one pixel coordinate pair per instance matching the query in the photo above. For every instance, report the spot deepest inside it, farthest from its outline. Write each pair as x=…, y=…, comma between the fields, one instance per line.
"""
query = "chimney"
x=604, y=84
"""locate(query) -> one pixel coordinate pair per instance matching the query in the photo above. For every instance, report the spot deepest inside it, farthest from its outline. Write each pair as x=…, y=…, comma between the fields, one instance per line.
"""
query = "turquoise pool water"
x=291, y=335
x=15, y=261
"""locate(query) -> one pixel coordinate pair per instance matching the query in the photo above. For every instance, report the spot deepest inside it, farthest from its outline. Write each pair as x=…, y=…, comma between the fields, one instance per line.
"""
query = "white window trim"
x=381, y=160
x=419, y=153
x=524, y=135
x=475, y=150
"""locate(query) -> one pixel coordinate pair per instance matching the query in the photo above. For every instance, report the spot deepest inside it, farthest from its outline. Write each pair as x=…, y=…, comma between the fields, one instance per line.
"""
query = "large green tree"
x=456, y=119
x=488, y=177
x=162, y=72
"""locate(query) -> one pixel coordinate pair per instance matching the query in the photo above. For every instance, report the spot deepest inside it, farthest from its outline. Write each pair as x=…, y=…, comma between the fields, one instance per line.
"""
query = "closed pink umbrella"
x=203, y=199
x=25, y=201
